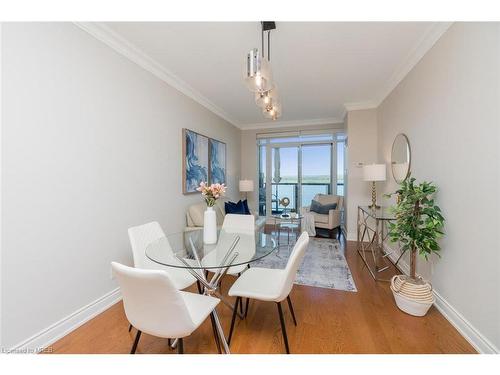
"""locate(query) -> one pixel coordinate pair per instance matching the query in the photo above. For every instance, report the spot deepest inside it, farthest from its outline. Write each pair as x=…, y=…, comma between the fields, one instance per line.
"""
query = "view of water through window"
x=312, y=161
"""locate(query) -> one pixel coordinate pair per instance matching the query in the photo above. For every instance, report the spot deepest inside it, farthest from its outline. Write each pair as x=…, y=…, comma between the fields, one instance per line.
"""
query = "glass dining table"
x=233, y=252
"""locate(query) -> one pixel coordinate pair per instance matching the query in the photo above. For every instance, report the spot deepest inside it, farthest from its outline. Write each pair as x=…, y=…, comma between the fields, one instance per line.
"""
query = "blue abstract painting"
x=195, y=166
x=217, y=162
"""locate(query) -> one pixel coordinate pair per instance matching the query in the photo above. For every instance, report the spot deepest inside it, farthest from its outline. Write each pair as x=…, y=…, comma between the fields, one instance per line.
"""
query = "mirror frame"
x=409, y=161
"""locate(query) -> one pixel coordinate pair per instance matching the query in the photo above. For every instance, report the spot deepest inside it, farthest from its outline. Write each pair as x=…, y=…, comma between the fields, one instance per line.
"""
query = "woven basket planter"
x=414, y=297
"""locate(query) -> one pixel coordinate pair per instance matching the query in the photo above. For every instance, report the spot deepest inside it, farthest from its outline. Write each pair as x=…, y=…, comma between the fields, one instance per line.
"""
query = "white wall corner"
x=457, y=320
x=466, y=329
x=423, y=45
x=104, y=34
x=63, y=327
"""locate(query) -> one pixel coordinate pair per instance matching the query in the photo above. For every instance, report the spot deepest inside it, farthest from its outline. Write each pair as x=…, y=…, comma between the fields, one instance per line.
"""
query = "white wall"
x=361, y=129
x=91, y=145
x=448, y=106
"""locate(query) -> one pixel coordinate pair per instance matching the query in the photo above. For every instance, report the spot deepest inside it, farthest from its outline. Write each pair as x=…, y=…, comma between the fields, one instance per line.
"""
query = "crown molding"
x=109, y=37
x=106, y=35
x=291, y=123
x=369, y=104
x=423, y=45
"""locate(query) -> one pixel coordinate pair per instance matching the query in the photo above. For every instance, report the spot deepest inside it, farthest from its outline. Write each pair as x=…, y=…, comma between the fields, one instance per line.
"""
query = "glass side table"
x=292, y=223
x=372, y=231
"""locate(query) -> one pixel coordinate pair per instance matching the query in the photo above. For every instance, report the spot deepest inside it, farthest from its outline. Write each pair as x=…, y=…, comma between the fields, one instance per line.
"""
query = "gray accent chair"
x=334, y=218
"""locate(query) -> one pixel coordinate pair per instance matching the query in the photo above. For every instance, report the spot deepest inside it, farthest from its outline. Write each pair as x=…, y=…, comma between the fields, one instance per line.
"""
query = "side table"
x=372, y=231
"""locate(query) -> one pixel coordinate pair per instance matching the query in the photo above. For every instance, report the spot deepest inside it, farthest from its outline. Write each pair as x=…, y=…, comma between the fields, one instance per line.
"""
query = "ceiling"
x=319, y=67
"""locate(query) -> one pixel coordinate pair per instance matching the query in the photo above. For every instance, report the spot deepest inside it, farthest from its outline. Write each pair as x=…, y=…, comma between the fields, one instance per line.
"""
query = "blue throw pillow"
x=235, y=208
x=247, y=210
x=322, y=209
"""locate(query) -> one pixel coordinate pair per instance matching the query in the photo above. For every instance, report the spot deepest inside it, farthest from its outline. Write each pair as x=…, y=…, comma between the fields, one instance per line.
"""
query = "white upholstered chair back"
x=298, y=252
x=239, y=224
x=152, y=304
x=140, y=237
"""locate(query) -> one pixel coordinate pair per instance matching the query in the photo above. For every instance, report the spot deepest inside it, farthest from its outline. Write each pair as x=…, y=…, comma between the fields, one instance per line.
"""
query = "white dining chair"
x=155, y=306
x=143, y=235
x=272, y=285
x=140, y=237
x=245, y=225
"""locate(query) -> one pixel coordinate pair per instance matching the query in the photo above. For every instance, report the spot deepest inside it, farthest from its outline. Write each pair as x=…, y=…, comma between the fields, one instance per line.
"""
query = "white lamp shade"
x=374, y=172
x=246, y=185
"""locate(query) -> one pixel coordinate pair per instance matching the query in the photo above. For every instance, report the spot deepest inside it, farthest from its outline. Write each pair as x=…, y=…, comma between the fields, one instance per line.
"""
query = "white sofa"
x=195, y=213
x=334, y=218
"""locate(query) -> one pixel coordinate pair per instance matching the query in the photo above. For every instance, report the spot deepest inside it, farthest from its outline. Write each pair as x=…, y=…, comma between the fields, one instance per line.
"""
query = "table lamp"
x=246, y=186
x=373, y=173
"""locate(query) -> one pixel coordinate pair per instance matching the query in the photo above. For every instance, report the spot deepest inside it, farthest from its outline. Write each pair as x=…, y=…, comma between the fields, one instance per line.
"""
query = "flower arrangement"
x=211, y=192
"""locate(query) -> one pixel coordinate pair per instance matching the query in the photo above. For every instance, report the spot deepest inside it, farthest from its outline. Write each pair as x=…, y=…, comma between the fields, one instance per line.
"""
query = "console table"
x=372, y=232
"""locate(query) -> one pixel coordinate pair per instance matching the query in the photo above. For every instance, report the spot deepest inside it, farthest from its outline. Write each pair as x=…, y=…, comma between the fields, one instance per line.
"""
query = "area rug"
x=324, y=264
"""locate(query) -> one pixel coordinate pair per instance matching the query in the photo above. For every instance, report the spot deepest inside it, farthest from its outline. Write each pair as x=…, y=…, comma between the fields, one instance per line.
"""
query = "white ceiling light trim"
x=130, y=51
x=292, y=123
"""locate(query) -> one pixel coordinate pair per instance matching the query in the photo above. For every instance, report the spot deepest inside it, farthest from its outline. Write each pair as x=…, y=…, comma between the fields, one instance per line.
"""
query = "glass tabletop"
x=292, y=216
x=187, y=250
x=380, y=213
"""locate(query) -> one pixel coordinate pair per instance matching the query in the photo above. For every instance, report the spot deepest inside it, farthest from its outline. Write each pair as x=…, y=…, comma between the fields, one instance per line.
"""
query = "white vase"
x=209, y=226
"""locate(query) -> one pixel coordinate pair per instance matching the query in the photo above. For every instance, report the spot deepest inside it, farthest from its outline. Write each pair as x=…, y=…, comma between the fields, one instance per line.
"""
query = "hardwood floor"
x=329, y=321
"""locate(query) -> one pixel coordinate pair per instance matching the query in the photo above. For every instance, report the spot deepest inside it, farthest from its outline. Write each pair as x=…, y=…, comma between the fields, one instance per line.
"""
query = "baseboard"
x=457, y=320
x=466, y=329
x=58, y=330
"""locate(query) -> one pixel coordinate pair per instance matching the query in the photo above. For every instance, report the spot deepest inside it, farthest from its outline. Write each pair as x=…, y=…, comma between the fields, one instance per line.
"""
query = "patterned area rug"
x=324, y=264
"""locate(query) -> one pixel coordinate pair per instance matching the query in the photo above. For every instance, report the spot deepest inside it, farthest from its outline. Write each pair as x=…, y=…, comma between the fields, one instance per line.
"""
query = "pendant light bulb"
x=258, y=76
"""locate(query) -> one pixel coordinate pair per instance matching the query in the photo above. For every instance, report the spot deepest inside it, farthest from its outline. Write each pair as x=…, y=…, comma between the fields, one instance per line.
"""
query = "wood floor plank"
x=329, y=321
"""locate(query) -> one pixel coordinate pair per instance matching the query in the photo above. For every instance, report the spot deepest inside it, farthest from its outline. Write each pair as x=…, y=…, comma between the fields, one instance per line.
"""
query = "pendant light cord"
x=262, y=38
x=269, y=45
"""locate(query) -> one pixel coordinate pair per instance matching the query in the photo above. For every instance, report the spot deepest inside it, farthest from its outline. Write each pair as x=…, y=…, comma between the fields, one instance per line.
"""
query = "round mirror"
x=400, y=158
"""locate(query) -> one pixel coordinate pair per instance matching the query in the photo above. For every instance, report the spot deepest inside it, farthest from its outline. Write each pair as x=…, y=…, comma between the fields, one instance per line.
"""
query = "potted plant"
x=417, y=227
x=210, y=193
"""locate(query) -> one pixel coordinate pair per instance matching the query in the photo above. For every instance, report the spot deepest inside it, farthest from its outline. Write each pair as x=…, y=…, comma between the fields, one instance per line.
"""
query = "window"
x=298, y=165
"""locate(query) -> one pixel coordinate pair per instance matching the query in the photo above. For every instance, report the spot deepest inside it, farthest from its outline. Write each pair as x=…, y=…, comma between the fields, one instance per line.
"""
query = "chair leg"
x=291, y=309
x=130, y=327
x=233, y=319
x=136, y=341
x=200, y=291
x=241, y=305
x=169, y=343
x=216, y=336
x=180, y=346
x=283, y=327
x=246, y=308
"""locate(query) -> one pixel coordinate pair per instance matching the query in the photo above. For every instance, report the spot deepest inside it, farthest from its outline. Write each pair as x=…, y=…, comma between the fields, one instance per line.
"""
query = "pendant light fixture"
x=259, y=78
